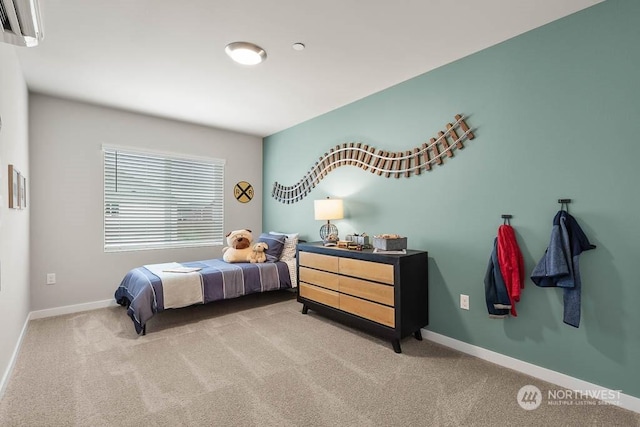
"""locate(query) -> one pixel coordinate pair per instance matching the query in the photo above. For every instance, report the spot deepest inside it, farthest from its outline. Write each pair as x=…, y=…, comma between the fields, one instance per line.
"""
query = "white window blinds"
x=154, y=201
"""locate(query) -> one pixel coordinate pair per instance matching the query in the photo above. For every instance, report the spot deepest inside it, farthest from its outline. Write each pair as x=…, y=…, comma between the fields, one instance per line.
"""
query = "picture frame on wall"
x=14, y=188
x=23, y=191
x=19, y=190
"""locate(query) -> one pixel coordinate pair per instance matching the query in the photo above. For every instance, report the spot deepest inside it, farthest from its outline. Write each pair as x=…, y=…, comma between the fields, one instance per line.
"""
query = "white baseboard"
x=68, y=309
x=565, y=381
x=12, y=360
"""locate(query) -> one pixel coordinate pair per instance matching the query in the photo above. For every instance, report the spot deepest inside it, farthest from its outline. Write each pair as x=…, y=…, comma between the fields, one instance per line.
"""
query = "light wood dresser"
x=383, y=294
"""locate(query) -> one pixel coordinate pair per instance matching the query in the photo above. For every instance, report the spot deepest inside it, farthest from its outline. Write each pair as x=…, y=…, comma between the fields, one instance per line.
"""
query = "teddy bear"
x=258, y=253
x=239, y=247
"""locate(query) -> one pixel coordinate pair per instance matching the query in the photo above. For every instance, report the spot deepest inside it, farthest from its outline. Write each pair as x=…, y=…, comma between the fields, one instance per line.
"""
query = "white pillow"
x=290, y=243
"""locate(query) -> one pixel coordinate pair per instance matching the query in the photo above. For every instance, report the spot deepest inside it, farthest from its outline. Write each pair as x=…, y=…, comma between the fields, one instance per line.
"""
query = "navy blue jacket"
x=495, y=290
x=559, y=267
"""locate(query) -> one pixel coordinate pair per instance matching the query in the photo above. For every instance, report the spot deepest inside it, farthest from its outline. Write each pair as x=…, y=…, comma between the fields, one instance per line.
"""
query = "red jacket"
x=511, y=264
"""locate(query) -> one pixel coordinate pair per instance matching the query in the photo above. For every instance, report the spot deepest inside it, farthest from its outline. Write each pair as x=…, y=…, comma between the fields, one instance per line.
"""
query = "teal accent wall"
x=555, y=113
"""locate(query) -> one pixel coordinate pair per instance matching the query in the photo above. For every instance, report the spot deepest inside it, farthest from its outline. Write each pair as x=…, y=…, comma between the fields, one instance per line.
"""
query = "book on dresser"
x=383, y=294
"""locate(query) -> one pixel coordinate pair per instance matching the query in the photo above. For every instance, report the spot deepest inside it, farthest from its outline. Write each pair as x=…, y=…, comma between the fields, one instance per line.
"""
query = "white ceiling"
x=166, y=57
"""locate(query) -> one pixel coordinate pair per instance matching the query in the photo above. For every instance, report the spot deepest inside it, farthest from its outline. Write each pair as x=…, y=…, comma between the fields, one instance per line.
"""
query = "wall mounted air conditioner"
x=20, y=22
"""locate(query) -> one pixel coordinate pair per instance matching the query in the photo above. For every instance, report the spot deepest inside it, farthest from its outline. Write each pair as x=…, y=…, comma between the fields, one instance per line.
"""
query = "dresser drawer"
x=369, y=310
x=318, y=261
x=320, y=278
x=368, y=290
x=321, y=295
x=367, y=270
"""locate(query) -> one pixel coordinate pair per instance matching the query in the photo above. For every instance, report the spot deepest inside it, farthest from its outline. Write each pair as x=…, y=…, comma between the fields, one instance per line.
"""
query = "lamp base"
x=328, y=229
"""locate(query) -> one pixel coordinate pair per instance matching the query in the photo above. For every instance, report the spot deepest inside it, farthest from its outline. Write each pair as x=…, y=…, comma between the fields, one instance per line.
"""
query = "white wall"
x=14, y=224
x=67, y=193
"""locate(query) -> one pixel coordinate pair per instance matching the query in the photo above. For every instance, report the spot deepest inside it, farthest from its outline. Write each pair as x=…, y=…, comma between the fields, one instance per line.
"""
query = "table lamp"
x=328, y=209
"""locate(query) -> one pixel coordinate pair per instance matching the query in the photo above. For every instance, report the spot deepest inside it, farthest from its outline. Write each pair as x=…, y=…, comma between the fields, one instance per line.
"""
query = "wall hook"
x=564, y=204
x=507, y=219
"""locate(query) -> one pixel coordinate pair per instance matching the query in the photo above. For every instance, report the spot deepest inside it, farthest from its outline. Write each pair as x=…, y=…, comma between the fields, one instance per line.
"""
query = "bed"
x=151, y=289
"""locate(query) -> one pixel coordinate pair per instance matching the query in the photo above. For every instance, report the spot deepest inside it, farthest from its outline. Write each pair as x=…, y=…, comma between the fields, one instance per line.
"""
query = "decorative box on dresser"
x=383, y=294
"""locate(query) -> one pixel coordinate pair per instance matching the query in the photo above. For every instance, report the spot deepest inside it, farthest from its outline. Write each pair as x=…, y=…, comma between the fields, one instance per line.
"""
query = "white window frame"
x=159, y=200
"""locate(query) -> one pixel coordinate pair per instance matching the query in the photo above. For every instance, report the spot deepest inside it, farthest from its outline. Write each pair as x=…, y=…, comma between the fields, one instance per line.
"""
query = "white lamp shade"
x=328, y=209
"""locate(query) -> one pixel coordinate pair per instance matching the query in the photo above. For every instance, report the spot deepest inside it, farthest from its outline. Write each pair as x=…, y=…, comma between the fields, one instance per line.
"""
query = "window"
x=154, y=201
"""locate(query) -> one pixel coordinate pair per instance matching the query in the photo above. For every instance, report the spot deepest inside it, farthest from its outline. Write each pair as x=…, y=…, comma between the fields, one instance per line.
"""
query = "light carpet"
x=257, y=361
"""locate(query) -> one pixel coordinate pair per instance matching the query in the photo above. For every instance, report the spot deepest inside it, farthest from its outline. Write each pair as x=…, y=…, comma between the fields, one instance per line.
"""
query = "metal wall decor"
x=243, y=192
x=394, y=164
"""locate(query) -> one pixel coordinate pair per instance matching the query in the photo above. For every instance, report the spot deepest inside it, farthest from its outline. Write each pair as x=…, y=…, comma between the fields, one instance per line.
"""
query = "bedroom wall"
x=67, y=193
x=554, y=112
x=14, y=224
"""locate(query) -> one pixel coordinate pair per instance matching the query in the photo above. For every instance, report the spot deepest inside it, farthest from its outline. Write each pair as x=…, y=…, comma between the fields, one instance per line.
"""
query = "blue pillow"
x=275, y=243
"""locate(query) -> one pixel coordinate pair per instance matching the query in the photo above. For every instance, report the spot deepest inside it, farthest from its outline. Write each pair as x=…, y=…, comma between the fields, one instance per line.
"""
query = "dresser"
x=383, y=294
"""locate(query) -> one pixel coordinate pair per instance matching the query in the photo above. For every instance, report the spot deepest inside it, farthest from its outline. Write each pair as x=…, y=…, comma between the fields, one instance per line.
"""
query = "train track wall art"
x=388, y=164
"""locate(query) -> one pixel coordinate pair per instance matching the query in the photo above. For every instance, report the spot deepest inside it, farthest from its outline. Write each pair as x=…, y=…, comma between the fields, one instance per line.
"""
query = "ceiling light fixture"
x=245, y=53
x=298, y=46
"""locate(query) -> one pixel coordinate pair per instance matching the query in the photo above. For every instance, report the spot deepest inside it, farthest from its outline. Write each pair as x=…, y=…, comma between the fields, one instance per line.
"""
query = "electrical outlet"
x=464, y=302
x=51, y=278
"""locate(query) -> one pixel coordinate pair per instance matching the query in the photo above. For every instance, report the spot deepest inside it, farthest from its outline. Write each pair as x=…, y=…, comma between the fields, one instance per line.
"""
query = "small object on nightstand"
x=389, y=242
x=360, y=239
x=331, y=240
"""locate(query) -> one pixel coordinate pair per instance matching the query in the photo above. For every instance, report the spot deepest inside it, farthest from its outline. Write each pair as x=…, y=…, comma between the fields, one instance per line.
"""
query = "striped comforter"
x=142, y=290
